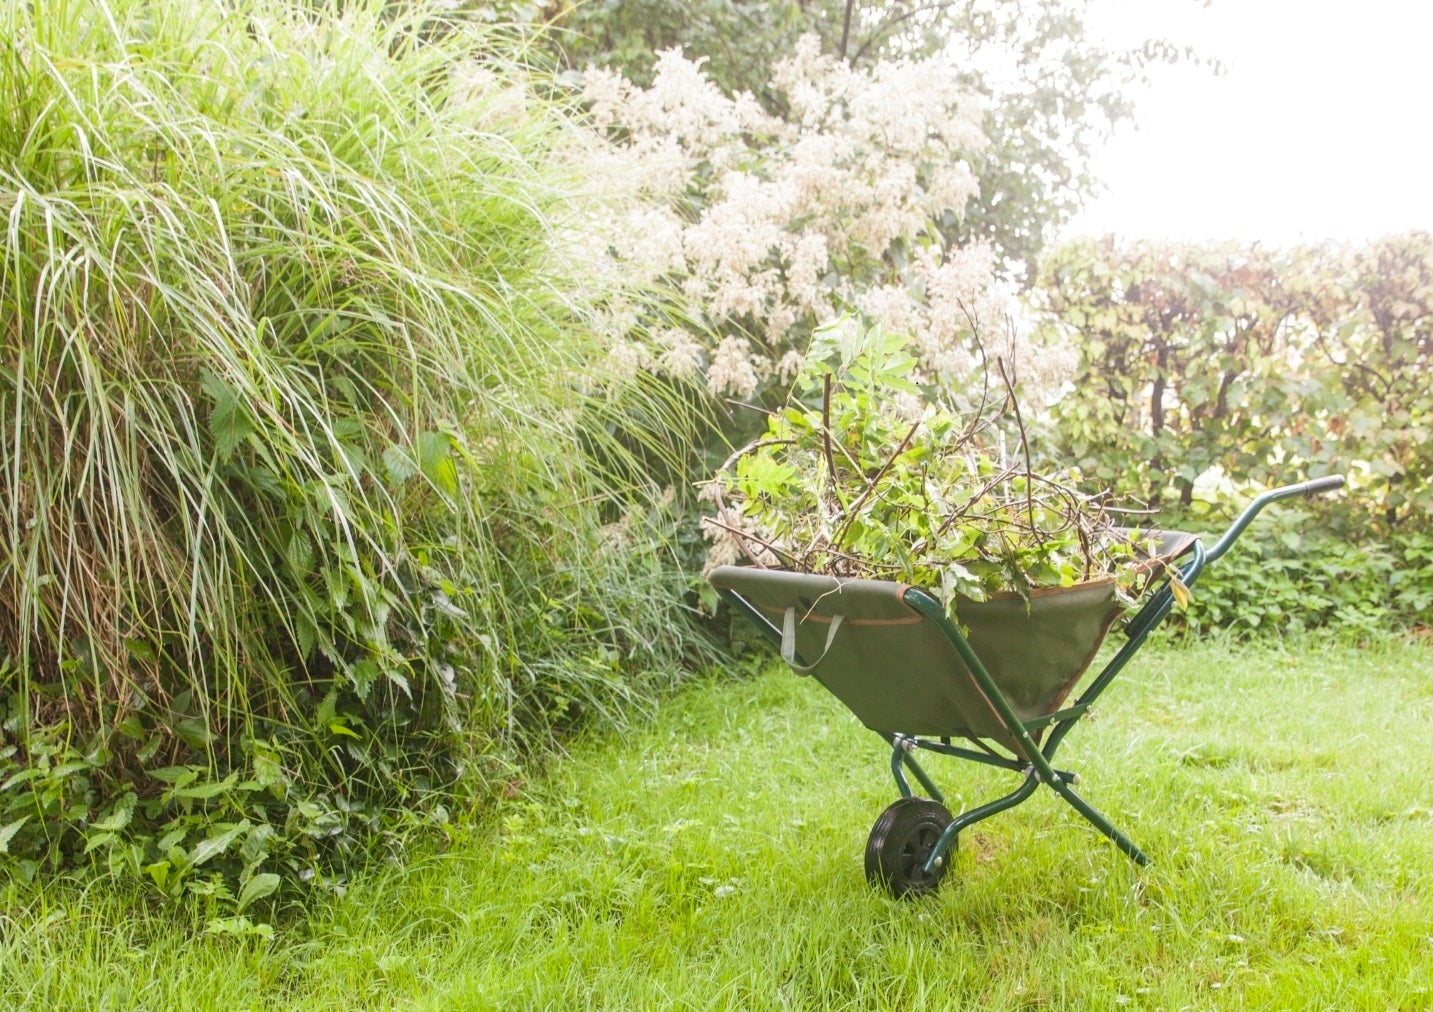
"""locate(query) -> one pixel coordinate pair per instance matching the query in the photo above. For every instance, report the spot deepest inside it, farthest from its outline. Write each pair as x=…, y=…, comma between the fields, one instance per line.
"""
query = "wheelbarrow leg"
x=902, y=747
x=1101, y=823
x=970, y=818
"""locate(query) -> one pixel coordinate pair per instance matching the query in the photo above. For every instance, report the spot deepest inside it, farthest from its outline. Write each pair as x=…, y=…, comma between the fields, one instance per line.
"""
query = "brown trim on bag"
x=849, y=620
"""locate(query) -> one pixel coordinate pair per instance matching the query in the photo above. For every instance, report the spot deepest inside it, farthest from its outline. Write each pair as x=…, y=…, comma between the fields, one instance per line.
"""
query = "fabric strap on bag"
x=788, y=642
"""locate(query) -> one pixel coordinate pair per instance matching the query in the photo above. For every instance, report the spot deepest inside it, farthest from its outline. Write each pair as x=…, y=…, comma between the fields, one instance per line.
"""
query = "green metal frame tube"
x=967, y=819
x=1306, y=488
x=901, y=756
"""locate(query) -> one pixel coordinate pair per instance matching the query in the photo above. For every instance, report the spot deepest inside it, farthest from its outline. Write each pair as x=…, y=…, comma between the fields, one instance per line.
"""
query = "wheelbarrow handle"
x=1304, y=488
x=1326, y=484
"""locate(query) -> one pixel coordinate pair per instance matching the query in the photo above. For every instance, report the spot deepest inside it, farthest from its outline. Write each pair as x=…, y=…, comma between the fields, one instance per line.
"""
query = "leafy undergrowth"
x=1300, y=573
x=713, y=860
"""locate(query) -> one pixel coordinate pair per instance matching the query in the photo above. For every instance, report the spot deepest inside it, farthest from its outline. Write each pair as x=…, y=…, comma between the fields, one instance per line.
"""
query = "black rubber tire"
x=899, y=844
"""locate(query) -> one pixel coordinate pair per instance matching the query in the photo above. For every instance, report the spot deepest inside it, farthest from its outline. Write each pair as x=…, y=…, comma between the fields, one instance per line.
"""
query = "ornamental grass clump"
x=310, y=489
x=866, y=475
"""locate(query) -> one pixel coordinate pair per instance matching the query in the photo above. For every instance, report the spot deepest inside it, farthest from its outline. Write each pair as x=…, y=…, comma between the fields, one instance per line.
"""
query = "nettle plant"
x=867, y=475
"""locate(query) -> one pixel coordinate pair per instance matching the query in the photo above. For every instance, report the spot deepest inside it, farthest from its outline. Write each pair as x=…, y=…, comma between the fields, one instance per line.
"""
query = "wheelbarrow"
x=1000, y=684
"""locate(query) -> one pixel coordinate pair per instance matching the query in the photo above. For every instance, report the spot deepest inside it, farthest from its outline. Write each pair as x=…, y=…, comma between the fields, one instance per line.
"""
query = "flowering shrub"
x=1051, y=87
x=770, y=227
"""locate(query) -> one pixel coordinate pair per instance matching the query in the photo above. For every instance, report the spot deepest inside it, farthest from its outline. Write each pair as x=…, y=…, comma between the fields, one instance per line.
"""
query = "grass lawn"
x=714, y=860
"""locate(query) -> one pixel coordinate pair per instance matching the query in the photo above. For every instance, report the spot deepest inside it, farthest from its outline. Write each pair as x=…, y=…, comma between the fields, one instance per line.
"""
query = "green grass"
x=713, y=860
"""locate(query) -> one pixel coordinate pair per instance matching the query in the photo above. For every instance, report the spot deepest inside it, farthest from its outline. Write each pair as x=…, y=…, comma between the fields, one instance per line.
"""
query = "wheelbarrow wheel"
x=899, y=844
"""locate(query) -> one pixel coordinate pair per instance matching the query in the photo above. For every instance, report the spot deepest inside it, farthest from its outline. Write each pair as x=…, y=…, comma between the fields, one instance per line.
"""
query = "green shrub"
x=300, y=511
x=1262, y=363
x=1297, y=569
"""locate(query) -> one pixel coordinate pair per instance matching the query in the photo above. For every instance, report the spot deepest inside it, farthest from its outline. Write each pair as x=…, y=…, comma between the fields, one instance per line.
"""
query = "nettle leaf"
x=95, y=841
x=208, y=789
x=8, y=831
x=194, y=732
x=299, y=553
x=364, y=673
x=120, y=814
x=327, y=707
x=399, y=464
x=229, y=421
x=179, y=776
x=305, y=634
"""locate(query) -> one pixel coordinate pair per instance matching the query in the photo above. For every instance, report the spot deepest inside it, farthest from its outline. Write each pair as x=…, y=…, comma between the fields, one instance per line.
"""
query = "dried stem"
x=871, y=485
x=1024, y=438
x=742, y=537
x=826, y=436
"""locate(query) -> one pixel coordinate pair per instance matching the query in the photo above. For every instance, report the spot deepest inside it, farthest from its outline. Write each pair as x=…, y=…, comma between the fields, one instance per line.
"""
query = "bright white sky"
x=1321, y=128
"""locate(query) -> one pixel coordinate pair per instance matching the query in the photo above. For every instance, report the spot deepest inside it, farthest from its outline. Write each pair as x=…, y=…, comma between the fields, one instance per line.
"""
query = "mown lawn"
x=714, y=860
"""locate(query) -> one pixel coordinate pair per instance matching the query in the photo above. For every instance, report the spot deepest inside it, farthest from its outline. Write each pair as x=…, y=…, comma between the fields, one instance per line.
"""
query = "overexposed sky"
x=1321, y=128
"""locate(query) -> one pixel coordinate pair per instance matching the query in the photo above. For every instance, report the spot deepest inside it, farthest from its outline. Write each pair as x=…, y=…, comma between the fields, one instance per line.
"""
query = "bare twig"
x=1024, y=438
x=850, y=516
x=826, y=434
x=742, y=536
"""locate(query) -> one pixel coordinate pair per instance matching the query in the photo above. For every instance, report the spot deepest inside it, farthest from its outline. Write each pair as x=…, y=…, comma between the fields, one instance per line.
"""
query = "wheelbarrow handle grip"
x=1325, y=484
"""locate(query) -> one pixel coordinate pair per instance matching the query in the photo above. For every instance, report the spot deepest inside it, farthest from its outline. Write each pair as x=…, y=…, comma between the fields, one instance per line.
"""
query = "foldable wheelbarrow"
x=891, y=654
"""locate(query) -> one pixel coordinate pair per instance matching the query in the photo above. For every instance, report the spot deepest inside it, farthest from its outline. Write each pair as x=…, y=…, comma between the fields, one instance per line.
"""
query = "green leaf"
x=257, y=888
x=239, y=926
x=131, y=727
x=141, y=650
x=204, y=791
x=398, y=463
x=8, y=831
x=212, y=846
x=194, y=732
x=300, y=553
x=435, y=459
x=159, y=872
x=176, y=775
x=120, y=815
x=98, y=840
x=228, y=423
